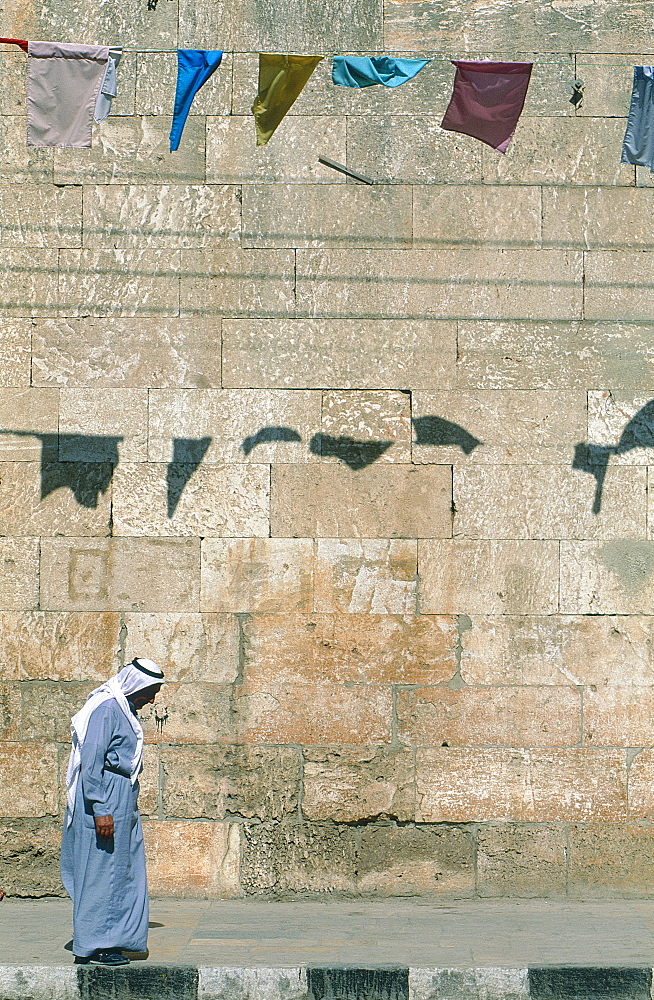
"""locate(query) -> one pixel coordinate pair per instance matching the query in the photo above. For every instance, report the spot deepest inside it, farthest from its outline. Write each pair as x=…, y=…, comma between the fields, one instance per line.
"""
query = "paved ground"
x=415, y=933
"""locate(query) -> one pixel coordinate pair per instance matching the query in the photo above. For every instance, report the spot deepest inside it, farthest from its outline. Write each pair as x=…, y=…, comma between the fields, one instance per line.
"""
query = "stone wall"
x=333, y=456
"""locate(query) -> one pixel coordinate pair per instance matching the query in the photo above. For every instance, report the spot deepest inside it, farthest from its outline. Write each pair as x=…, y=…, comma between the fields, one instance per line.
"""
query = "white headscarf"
x=140, y=673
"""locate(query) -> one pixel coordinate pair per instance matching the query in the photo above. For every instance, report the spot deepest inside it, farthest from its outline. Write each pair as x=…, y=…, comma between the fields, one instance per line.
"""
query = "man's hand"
x=104, y=826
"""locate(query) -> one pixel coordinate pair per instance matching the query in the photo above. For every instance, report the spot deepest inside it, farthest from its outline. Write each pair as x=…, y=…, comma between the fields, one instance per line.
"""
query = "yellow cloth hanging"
x=281, y=80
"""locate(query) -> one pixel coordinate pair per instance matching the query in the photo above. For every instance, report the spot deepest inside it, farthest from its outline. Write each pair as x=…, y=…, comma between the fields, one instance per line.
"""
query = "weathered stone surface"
x=43, y=645
x=409, y=861
x=496, y=427
x=350, y=785
x=507, y=284
x=449, y=984
x=54, y=499
x=19, y=573
x=192, y=859
x=28, y=775
x=10, y=714
x=521, y=860
x=245, y=425
x=12, y=81
x=154, y=499
x=29, y=283
x=139, y=27
x=307, y=353
x=254, y=984
x=29, y=857
x=495, y=355
x=509, y=716
x=611, y=422
x=118, y=574
x=349, y=649
x=547, y=501
x=597, y=218
x=155, y=86
x=194, y=713
x=149, y=783
x=237, y=283
x=403, y=149
x=119, y=353
x=362, y=417
x=135, y=151
x=189, y=647
x=366, y=575
x=488, y=577
x=613, y=577
x=40, y=216
x=118, y=283
x=46, y=708
x=34, y=415
x=463, y=215
x=94, y=422
x=641, y=786
x=280, y=859
x=227, y=782
x=257, y=574
x=608, y=79
x=614, y=859
x=458, y=785
x=170, y=215
x=386, y=501
x=20, y=163
x=620, y=716
x=15, y=353
x=327, y=215
x=617, y=285
x=292, y=155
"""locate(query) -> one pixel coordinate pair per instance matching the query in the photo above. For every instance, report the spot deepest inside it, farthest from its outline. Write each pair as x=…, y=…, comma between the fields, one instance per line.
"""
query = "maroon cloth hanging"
x=486, y=101
x=15, y=41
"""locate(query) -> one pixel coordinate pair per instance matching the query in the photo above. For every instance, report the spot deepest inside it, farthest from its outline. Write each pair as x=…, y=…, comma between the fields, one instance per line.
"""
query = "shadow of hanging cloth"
x=355, y=454
x=440, y=433
x=267, y=434
x=188, y=454
x=594, y=458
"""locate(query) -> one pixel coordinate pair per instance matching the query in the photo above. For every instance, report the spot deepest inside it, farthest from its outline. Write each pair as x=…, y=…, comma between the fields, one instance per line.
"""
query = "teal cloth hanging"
x=194, y=67
x=364, y=71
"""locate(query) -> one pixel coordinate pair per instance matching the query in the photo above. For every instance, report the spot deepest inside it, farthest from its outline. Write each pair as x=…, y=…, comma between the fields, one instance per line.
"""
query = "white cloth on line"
x=63, y=83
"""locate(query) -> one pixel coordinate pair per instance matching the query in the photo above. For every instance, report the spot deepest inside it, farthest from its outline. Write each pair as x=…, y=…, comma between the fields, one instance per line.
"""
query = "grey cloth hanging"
x=108, y=90
x=638, y=144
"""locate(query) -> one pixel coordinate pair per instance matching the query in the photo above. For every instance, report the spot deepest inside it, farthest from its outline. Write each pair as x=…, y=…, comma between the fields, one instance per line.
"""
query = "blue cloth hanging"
x=194, y=67
x=363, y=71
x=638, y=143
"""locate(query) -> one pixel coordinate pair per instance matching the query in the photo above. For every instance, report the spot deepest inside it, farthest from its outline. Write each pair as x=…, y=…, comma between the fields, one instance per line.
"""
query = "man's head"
x=144, y=697
x=141, y=681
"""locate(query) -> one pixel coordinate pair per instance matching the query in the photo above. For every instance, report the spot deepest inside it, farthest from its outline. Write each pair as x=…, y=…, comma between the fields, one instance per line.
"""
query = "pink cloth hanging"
x=63, y=83
x=487, y=99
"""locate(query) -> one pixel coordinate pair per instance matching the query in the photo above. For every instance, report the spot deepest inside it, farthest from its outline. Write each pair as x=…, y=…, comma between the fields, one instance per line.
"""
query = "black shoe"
x=110, y=959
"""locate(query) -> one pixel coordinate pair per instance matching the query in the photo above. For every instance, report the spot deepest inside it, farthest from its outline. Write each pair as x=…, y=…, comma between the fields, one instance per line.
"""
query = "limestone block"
x=135, y=151
x=619, y=715
x=167, y=216
x=403, y=149
x=15, y=353
x=122, y=353
x=498, y=428
x=600, y=650
x=34, y=415
x=118, y=283
x=276, y=712
x=608, y=79
x=460, y=785
x=149, y=783
x=52, y=646
x=365, y=417
x=193, y=859
x=476, y=716
x=521, y=860
x=350, y=785
x=188, y=647
x=29, y=859
x=612, y=577
x=383, y=501
x=463, y=215
x=20, y=163
x=488, y=577
x=613, y=860
x=141, y=27
x=306, y=353
x=12, y=83
x=29, y=283
x=506, y=355
x=119, y=574
x=345, y=24
x=123, y=104
x=414, y=860
x=10, y=713
x=459, y=984
x=257, y=574
x=531, y=27
x=157, y=77
x=252, y=984
x=599, y=218
x=54, y=499
x=91, y=421
x=156, y=499
x=292, y=155
x=47, y=708
x=547, y=501
x=245, y=425
x=563, y=151
x=40, y=217
x=326, y=215
x=480, y=284
x=617, y=284
x=641, y=796
x=615, y=419
x=193, y=713
x=228, y=782
x=237, y=283
x=54, y=981
x=305, y=858
x=28, y=775
x=19, y=573
x=349, y=649
x=367, y=575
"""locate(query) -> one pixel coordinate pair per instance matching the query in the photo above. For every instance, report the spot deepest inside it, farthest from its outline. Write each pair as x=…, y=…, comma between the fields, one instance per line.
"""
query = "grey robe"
x=106, y=878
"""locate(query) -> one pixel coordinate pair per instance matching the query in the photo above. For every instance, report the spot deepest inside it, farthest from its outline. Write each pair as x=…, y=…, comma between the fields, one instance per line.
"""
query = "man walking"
x=102, y=854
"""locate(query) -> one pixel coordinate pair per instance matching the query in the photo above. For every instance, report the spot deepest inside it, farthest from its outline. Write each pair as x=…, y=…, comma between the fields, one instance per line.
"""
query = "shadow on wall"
x=353, y=453
x=187, y=457
x=594, y=458
x=440, y=433
x=266, y=434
